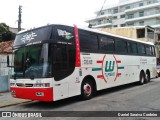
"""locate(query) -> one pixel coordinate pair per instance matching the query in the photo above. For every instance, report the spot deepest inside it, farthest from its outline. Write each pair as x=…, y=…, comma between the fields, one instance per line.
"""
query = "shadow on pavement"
x=66, y=102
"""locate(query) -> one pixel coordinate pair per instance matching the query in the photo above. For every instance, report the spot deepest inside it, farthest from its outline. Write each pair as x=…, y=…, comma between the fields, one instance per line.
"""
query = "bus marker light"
x=46, y=85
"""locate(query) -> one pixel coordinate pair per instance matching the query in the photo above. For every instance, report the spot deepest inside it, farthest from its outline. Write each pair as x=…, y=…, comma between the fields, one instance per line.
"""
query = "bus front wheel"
x=87, y=89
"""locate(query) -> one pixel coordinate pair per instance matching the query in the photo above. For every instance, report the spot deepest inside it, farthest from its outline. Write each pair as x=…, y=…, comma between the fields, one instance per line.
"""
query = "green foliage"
x=5, y=34
x=3, y=28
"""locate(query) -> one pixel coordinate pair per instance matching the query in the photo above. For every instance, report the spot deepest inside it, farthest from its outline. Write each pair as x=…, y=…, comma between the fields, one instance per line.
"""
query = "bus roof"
x=90, y=30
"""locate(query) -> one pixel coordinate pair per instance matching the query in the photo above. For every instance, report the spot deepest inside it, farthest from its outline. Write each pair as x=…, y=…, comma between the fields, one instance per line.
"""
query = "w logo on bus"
x=110, y=68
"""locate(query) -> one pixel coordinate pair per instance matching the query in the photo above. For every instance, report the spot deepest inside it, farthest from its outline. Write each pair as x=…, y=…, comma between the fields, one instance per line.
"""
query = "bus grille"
x=20, y=84
x=28, y=85
x=24, y=85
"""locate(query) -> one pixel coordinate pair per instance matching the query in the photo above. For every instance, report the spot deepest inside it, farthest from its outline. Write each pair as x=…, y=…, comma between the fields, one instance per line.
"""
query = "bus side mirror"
x=8, y=61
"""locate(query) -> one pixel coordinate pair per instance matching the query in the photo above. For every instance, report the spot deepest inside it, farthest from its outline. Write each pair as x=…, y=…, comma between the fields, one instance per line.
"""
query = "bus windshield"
x=32, y=62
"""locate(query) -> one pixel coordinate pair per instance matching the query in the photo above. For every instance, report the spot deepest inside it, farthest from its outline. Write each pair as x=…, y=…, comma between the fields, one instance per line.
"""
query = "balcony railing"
x=134, y=6
x=102, y=24
x=143, y=15
x=151, y=23
x=99, y=17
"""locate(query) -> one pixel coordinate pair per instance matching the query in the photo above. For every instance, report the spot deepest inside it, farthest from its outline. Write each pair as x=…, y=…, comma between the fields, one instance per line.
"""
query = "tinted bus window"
x=132, y=47
x=121, y=46
x=148, y=50
x=33, y=36
x=107, y=44
x=153, y=51
x=64, y=34
x=63, y=60
x=141, y=48
x=88, y=41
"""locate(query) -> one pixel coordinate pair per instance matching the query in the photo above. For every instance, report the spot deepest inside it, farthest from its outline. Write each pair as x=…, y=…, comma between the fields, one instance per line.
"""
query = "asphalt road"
x=130, y=98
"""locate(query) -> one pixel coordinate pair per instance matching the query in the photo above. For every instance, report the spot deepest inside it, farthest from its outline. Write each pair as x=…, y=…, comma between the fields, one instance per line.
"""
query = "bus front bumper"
x=41, y=94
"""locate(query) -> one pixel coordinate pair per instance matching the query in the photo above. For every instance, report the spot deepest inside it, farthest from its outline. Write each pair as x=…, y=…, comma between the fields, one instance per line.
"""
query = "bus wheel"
x=142, y=78
x=87, y=89
x=148, y=77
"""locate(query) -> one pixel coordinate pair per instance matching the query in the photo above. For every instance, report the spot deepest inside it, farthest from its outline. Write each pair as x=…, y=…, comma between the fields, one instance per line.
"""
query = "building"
x=14, y=30
x=128, y=13
x=147, y=34
x=5, y=50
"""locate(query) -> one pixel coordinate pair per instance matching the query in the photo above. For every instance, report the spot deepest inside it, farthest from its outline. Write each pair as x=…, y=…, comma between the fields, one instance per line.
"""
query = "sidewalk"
x=7, y=100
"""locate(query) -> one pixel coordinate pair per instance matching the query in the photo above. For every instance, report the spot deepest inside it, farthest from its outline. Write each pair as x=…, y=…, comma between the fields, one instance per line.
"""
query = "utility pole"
x=19, y=17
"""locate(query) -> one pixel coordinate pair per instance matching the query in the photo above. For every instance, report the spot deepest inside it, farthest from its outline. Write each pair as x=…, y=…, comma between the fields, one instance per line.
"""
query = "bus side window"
x=148, y=50
x=153, y=51
x=107, y=44
x=141, y=49
x=132, y=48
x=121, y=46
x=88, y=41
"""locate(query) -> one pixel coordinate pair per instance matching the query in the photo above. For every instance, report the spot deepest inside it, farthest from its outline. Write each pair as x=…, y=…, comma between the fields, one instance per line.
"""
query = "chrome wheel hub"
x=87, y=89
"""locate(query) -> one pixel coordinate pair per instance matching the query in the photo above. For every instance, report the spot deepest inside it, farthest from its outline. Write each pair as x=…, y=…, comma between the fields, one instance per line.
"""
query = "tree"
x=5, y=34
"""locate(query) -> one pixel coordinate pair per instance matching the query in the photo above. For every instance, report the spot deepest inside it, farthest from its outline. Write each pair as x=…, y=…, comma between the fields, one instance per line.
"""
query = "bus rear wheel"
x=148, y=77
x=142, y=78
x=87, y=89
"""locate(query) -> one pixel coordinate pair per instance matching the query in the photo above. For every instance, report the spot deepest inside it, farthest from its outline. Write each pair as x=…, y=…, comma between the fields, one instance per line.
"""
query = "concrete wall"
x=126, y=32
x=4, y=73
x=4, y=84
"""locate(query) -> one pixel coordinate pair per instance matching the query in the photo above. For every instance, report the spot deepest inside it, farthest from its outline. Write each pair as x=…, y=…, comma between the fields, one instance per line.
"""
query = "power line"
x=90, y=25
x=101, y=8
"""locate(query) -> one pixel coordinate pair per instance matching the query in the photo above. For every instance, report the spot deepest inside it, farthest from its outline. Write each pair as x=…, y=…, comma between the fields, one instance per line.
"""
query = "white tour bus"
x=59, y=61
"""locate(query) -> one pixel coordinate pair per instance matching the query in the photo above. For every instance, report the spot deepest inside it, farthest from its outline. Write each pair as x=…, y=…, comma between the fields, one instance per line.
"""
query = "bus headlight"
x=42, y=85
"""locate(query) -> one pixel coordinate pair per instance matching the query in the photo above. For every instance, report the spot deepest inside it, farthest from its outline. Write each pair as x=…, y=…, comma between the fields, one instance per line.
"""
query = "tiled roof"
x=6, y=47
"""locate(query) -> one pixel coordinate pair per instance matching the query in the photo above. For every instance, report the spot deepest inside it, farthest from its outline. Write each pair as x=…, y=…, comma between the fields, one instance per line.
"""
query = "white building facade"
x=128, y=13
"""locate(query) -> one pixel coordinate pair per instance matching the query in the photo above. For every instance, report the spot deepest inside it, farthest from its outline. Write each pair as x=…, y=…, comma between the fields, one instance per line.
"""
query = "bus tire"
x=87, y=89
x=148, y=76
x=142, y=78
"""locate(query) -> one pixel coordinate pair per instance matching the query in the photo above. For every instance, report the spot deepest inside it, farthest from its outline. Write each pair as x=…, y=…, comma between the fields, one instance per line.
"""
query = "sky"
x=37, y=13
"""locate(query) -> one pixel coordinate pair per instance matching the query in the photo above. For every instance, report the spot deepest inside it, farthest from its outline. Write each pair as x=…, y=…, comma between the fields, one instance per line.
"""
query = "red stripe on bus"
x=118, y=61
x=78, y=64
x=116, y=67
x=119, y=74
x=30, y=93
x=102, y=69
x=100, y=76
x=99, y=61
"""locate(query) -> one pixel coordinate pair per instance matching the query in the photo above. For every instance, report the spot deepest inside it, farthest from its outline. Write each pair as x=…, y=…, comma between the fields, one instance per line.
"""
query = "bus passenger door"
x=63, y=67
